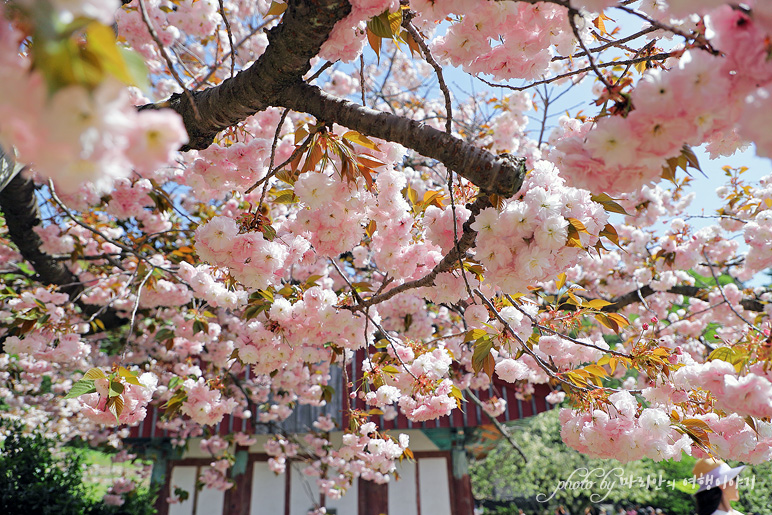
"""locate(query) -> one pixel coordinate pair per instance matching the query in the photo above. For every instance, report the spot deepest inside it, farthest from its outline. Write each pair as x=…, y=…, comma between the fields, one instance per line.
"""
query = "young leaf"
x=276, y=9
x=374, y=42
x=81, y=387
x=116, y=388
x=360, y=139
x=609, y=204
x=94, y=373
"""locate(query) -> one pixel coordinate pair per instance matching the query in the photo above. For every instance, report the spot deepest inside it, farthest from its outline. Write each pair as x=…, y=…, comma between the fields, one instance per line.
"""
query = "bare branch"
x=499, y=426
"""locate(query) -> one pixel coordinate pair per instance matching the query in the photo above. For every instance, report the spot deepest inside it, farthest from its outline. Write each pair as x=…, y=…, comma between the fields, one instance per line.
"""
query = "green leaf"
x=375, y=43
x=137, y=70
x=115, y=406
x=609, y=204
x=94, y=373
x=386, y=24
x=360, y=139
x=101, y=44
x=327, y=393
x=475, y=334
x=269, y=233
x=164, y=334
x=81, y=387
x=116, y=388
x=174, y=382
x=482, y=358
x=391, y=369
x=286, y=197
x=691, y=158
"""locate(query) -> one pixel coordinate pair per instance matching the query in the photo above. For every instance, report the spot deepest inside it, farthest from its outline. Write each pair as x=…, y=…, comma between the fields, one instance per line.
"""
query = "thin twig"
x=721, y=290
x=274, y=143
x=448, y=129
x=136, y=304
x=362, y=78
x=169, y=64
x=610, y=44
x=447, y=262
x=213, y=67
x=96, y=231
x=499, y=426
x=437, y=70
x=321, y=69
x=230, y=38
x=572, y=13
x=662, y=26
x=272, y=172
x=370, y=319
x=657, y=57
x=542, y=364
x=559, y=334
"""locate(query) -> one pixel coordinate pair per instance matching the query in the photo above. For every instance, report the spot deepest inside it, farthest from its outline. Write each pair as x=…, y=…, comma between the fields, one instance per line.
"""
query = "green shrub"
x=36, y=477
x=33, y=480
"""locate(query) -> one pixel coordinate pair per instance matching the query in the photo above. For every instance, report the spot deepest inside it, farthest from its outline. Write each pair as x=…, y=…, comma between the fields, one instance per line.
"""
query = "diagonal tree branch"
x=276, y=80
x=20, y=207
x=491, y=173
x=291, y=46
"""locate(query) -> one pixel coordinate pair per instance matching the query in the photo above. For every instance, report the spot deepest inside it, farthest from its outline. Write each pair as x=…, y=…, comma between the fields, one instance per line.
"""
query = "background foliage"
x=38, y=478
x=503, y=478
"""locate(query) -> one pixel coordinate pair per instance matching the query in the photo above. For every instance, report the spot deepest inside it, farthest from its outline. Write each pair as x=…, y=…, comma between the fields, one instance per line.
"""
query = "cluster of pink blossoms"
x=505, y=39
x=630, y=433
x=74, y=135
x=253, y=260
x=334, y=214
x=347, y=38
x=364, y=453
x=623, y=433
x=135, y=401
x=746, y=395
x=204, y=405
x=394, y=247
x=703, y=98
x=526, y=241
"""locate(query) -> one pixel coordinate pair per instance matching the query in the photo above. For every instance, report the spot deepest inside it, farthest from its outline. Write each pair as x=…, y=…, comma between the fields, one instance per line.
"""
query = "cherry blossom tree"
x=210, y=206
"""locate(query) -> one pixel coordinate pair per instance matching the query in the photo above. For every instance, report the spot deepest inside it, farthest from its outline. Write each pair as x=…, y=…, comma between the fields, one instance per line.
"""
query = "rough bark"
x=291, y=46
x=491, y=173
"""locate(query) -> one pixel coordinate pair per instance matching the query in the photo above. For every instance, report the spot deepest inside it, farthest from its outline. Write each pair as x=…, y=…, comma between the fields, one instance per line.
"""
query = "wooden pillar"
x=373, y=498
x=238, y=497
x=460, y=484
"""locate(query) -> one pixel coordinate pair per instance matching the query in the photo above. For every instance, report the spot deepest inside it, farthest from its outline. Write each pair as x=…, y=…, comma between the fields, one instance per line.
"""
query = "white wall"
x=402, y=493
x=267, y=491
x=207, y=501
x=434, y=487
x=304, y=494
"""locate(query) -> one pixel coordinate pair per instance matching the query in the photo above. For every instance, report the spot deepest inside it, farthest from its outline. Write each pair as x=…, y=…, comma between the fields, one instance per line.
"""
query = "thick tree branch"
x=276, y=80
x=750, y=304
x=492, y=174
x=20, y=207
x=291, y=46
